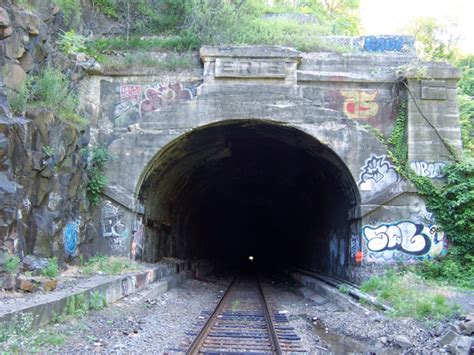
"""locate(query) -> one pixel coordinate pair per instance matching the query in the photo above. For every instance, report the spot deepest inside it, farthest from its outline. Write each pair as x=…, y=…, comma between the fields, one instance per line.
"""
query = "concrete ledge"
x=112, y=290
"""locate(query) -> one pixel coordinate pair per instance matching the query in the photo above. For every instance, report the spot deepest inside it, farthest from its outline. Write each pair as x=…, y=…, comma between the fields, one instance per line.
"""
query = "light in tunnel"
x=251, y=258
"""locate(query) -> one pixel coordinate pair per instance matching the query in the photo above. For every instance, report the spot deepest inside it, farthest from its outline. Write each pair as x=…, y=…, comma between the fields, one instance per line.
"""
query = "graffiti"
x=130, y=92
x=360, y=104
x=432, y=170
x=163, y=95
x=355, y=245
x=26, y=203
x=138, y=236
x=386, y=43
x=403, y=240
x=112, y=226
x=71, y=236
x=377, y=173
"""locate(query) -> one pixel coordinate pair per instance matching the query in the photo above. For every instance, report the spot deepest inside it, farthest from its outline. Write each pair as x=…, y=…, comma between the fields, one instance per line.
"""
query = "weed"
x=72, y=43
x=171, y=62
x=410, y=296
x=98, y=157
x=12, y=264
x=343, y=288
x=52, y=270
x=97, y=301
x=48, y=151
x=107, y=265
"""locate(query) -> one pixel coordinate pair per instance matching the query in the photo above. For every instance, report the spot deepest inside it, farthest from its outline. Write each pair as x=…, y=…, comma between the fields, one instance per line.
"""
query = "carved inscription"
x=238, y=68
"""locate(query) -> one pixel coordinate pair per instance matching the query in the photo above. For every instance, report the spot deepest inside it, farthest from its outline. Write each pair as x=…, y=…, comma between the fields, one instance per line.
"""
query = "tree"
x=434, y=40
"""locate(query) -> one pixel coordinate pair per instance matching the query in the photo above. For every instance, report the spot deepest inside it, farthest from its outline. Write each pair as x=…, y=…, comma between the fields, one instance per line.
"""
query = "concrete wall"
x=339, y=99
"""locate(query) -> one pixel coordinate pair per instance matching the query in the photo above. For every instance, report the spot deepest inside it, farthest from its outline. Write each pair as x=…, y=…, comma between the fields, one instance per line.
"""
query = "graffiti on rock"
x=130, y=92
x=360, y=104
x=112, y=227
x=138, y=236
x=163, y=95
x=386, y=43
x=405, y=240
x=377, y=174
x=356, y=246
x=433, y=170
x=71, y=236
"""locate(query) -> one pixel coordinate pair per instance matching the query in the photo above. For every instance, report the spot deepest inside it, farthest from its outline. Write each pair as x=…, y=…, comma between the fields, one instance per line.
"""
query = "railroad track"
x=243, y=322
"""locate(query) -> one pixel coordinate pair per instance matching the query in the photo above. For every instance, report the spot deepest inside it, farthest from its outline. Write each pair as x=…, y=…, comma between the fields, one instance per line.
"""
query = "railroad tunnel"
x=236, y=189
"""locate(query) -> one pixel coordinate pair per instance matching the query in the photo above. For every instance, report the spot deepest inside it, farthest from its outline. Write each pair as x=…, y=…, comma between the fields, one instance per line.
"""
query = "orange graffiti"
x=359, y=256
x=360, y=104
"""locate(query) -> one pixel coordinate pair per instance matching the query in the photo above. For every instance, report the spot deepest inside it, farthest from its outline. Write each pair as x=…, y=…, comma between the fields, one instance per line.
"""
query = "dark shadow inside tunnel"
x=236, y=189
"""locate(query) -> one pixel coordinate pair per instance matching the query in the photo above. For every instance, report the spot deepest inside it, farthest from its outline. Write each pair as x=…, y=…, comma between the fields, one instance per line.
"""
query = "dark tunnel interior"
x=250, y=188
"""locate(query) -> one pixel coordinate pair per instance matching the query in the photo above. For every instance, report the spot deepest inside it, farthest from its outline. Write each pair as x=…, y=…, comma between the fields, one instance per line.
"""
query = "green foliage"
x=107, y=7
x=72, y=11
x=52, y=270
x=97, y=301
x=71, y=43
x=343, y=288
x=98, y=157
x=398, y=149
x=198, y=22
x=12, y=264
x=409, y=295
x=173, y=61
x=52, y=90
x=183, y=42
x=434, y=40
x=107, y=265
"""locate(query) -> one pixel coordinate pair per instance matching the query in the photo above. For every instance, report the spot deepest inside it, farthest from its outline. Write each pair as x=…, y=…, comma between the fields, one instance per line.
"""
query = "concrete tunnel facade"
x=238, y=188
x=272, y=152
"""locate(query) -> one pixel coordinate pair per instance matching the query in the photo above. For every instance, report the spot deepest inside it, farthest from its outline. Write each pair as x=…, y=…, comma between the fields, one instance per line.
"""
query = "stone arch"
x=239, y=187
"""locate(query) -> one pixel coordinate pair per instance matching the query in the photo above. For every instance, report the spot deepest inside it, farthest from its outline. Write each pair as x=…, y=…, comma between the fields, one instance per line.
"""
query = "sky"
x=390, y=16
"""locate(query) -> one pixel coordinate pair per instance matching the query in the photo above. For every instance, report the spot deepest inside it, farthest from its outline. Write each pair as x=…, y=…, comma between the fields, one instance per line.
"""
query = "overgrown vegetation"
x=107, y=265
x=188, y=24
x=11, y=264
x=452, y=204
x=410, y=296
x=18, y=336
x=97, y=158
x=172, y=61
x=50, y=89
x=52, y=270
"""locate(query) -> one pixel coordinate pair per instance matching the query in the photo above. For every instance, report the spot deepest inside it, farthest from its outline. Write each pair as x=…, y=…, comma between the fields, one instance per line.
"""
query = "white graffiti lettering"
x=432, y=170
x=377, y=174
x=405, y=237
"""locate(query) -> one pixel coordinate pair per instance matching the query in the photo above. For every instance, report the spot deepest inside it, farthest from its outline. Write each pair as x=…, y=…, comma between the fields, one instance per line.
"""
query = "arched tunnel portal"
x=233, y=189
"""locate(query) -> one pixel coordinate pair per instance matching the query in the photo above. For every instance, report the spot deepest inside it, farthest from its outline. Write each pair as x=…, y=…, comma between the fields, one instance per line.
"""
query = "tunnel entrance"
x=236, y=189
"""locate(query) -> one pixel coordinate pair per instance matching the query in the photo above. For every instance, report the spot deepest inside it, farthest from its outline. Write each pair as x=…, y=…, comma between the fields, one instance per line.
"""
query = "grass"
x=411, y=296
x=11, y=264
x=52, y=270
x=172, y=62
x=108, y=265
x=18, y=336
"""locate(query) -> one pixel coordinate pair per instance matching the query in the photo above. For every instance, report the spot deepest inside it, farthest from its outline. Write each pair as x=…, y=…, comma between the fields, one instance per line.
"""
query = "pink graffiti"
x=130, y=92
x=162, y=96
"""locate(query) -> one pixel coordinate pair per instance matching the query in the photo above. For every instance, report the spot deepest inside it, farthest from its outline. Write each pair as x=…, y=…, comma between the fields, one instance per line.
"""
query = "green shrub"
x=12, y=264
x=98, y=157
x=52, y=270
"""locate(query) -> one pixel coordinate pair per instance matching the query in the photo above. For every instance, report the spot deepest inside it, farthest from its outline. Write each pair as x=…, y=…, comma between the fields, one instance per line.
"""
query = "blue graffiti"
x=386, y=43
x=71, y=235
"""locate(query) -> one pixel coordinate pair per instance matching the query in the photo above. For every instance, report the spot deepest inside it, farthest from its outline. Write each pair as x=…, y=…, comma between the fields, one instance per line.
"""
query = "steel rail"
x=201, y=337
x=271, y=327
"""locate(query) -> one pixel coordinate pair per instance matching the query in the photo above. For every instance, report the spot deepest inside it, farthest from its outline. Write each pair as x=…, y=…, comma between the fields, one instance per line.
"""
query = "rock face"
x=41, y=192
x=42, y=172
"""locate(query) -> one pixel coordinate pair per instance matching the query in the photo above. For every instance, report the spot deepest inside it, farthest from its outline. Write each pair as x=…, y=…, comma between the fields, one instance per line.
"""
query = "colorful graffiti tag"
x=386, y=43
x=163, y=95
x=433, y=170
x=112, y=226
x=377, y=174
x=130, y=92
x=360, y=104
x=71, y=236
x=404, y=240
